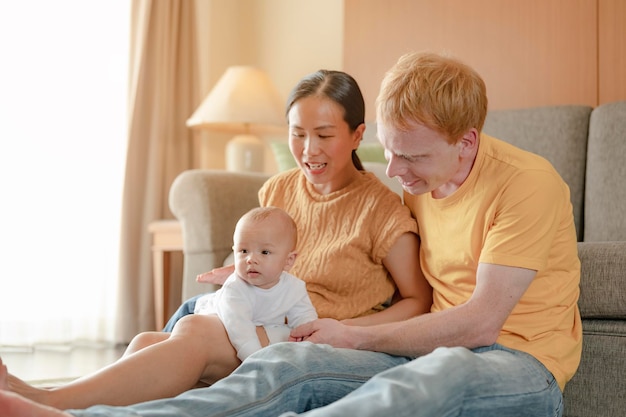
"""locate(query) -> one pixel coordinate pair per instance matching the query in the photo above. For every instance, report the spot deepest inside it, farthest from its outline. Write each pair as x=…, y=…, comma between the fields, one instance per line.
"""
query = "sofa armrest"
x=602, y=280
x=597, y=388
x=208, y=204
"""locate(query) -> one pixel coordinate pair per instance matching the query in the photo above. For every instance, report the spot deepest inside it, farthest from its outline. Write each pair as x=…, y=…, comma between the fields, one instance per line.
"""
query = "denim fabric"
x=298, y=377
x=487, y=382
x=185, y=309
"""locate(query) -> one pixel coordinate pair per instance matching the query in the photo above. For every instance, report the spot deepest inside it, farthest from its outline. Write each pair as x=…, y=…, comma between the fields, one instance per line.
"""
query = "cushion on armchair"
x=367, y=152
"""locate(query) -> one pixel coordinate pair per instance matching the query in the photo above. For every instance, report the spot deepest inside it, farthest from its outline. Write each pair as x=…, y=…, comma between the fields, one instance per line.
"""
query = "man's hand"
x=327, y=331
x=216, y=275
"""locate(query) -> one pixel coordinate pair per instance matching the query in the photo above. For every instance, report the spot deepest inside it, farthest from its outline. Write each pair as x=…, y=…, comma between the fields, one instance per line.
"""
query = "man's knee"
x=447, y=368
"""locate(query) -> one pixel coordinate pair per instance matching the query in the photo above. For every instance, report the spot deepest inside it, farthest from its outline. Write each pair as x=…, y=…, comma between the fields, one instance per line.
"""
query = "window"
x=63, y=94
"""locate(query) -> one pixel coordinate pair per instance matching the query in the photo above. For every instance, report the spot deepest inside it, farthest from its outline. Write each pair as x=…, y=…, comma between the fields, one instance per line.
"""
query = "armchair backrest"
x=208, y=204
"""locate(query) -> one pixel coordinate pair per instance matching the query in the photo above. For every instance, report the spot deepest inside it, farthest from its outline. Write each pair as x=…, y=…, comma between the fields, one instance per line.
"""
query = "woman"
x=356, y=240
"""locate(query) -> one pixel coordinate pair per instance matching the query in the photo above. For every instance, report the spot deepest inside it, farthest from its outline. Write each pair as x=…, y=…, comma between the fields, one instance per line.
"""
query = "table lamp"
x=243, y=101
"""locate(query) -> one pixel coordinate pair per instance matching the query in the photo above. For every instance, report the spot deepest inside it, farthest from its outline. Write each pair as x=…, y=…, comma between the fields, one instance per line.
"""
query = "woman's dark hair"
x=340, y=88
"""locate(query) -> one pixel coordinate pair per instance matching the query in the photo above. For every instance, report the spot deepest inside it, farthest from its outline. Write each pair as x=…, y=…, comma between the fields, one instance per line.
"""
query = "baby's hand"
x=216, y=276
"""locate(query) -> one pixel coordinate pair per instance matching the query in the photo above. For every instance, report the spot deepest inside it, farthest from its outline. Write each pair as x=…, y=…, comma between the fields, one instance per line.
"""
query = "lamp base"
x=245, y=153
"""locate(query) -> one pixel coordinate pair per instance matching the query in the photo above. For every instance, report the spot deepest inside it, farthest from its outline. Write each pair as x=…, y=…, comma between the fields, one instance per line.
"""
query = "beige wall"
x=529, y=52
x=286, y=38
x=611, y=50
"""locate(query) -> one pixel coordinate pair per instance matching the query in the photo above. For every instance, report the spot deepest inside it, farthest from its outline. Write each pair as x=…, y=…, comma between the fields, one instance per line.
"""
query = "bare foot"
x=12, y=383
x=14, y=405
x=4, y=384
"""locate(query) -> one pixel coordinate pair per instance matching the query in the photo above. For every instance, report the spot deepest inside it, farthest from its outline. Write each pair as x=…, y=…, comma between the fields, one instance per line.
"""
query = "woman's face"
x=322, y=143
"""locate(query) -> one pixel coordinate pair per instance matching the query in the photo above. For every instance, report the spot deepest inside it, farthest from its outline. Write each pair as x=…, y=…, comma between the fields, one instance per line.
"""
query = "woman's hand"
x=216, y=275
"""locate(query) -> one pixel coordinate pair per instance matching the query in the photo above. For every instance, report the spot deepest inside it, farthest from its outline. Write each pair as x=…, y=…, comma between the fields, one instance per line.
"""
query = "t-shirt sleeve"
x=526, y=221
x=393, y=219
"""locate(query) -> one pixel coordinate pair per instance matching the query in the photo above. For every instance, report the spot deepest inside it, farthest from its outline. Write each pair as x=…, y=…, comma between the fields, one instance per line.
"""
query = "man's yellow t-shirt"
x=514, y=210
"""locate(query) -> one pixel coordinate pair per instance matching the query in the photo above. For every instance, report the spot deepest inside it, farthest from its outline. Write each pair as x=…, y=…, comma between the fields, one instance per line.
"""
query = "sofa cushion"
x=605, y=193
x=602, y=280
x=282, y=156
x=558, y=133
x=598, y=387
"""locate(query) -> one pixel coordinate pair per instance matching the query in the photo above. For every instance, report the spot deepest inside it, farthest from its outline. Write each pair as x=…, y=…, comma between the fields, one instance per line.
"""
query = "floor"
x=50, y=365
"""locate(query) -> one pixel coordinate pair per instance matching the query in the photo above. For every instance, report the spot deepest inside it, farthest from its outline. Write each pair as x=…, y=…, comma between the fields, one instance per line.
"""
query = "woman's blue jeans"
x=298, y=377
x=185, y=309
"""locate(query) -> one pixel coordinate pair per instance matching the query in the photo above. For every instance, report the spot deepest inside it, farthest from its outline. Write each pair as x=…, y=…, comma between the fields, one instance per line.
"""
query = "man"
x=498, y=246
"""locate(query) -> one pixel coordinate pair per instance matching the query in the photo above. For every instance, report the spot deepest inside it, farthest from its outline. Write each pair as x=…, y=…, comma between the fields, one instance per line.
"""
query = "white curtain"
x=63, y=134
x=164, y=91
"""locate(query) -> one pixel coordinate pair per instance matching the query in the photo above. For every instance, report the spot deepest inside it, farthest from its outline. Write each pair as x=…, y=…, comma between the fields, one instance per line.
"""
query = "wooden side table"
x=166, y=238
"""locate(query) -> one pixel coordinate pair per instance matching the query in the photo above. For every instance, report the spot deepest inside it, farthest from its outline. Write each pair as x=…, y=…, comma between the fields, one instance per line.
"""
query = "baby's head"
x=265, y=245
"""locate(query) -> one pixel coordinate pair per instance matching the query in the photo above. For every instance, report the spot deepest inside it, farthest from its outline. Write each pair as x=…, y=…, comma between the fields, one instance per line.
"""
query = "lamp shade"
x=243, y=97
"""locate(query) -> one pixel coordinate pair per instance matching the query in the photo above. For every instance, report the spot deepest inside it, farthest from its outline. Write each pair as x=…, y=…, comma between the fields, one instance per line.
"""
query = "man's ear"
x=291, y=259
x=469, y=142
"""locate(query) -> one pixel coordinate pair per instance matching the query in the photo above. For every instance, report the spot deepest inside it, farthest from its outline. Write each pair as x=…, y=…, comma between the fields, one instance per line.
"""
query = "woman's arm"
x=415, y=294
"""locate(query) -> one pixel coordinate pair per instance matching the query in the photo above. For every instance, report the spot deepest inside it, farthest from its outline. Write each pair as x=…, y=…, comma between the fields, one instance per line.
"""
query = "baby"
x=260, y=292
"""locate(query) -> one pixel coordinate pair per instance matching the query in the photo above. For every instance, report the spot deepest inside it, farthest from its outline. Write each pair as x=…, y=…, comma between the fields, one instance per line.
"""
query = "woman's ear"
x=358, y=135
x=291, y=259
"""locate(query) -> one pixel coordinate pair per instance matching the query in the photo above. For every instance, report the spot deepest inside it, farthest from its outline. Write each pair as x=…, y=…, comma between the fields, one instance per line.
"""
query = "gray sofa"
x=587, y=146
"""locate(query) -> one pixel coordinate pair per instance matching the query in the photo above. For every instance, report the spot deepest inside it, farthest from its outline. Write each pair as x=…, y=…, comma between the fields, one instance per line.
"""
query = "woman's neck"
x=339, y=182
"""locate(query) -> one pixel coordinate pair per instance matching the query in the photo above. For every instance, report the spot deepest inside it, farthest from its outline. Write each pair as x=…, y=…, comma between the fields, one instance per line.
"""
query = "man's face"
x=422, y=159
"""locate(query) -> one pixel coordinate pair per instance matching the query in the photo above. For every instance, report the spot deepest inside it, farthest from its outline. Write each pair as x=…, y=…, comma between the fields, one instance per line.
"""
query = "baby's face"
x=261, y=252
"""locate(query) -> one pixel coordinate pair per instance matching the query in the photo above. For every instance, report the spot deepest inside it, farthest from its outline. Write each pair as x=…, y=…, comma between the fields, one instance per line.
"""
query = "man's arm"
x=475, y=323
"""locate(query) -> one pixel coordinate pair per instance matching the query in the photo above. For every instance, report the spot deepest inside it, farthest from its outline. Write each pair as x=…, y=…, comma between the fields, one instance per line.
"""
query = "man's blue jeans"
x=298, y=377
